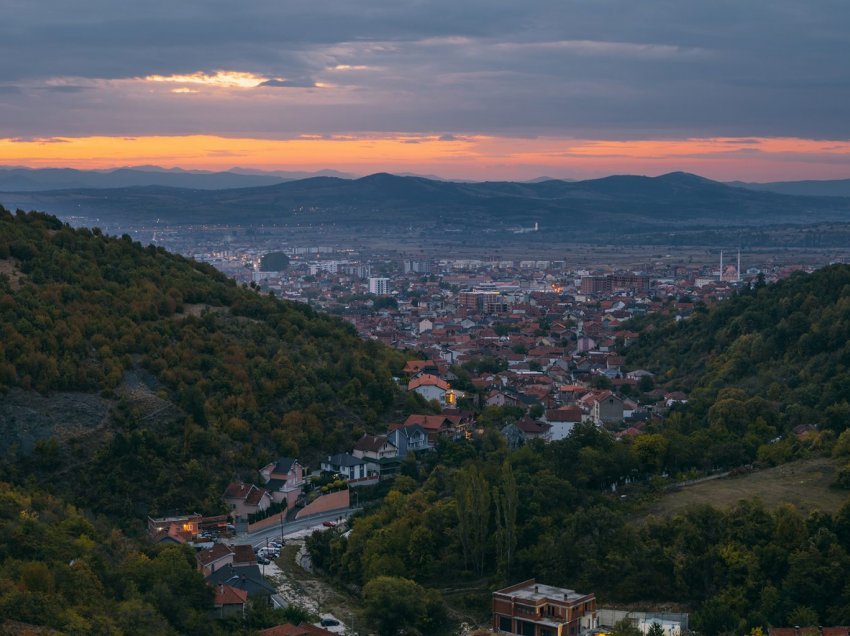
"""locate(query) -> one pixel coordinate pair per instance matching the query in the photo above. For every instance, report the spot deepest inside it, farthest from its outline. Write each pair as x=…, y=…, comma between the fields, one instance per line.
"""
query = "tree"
x=655, y=630
x=507, y=502
x=473, y=513
x=392, y=603
x=274, y=262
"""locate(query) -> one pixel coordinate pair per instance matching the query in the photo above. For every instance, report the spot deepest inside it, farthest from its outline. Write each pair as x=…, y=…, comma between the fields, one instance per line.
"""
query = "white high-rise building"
x=379, y=286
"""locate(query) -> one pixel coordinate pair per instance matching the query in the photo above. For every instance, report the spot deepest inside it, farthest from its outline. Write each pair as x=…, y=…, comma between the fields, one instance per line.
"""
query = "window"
x=505, y=624
x=525, y=629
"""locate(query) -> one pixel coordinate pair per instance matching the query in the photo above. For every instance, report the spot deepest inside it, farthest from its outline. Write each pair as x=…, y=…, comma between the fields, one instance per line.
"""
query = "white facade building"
x=379, y=286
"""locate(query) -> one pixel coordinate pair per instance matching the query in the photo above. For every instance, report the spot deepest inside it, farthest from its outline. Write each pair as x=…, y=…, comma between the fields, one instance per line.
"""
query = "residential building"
x=533, y=609
x=246, y=499
x=380, y=454
x=614, y=282
x=562, y=421
x=409, y=438
x=284, y=479
x=179, y=528
x=430, y=387
x=350, y=467
x=248, y=579
x=229, y=601
x=607, y=408
x=379, y=286
x=213, y=558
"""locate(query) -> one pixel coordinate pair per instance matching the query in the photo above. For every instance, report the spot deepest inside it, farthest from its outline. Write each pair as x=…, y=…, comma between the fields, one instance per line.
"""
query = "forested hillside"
x=202, y=379
x=133, y=381
x=61, y=570
x=787, y=343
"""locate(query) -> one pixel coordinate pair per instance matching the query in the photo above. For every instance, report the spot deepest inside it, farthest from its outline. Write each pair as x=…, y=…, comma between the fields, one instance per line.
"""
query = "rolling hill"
x=587, y=208
x=134, y=380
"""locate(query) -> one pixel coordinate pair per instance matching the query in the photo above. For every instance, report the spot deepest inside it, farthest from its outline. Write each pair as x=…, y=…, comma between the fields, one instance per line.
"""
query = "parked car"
x=329, y=622
x=329, y=524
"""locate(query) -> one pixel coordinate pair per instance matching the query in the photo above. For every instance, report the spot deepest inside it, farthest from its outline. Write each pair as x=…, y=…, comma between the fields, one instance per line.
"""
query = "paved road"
x=260, y=537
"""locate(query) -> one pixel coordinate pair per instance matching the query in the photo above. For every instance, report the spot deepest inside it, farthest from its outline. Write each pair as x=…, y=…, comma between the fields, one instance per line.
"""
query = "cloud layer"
x=606, y=69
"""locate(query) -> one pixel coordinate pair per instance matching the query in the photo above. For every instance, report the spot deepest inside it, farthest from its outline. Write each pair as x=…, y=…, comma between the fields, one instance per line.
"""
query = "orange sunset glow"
x=473, y=156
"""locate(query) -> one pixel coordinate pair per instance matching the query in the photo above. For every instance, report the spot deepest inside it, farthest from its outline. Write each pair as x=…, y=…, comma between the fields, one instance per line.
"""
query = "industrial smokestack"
x=739, y=264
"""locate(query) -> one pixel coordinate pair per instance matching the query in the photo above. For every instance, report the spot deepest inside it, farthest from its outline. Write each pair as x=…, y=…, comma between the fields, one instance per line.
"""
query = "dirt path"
x=298, y=585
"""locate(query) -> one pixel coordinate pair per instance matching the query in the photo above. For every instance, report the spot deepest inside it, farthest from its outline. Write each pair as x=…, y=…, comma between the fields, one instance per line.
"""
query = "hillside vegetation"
x=245, y=377
x=787, y=343
x=755, y=368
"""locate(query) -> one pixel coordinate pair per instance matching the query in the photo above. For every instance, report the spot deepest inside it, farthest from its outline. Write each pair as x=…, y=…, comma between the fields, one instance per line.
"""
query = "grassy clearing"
x=805, y=484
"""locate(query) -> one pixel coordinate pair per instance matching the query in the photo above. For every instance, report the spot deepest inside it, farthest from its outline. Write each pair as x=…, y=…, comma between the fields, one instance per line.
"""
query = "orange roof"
x=243, y=554
x=226, y=595
x=415, y=366
x=210, y=555
x=572, y=388
x=428, y=422
x=428, y=380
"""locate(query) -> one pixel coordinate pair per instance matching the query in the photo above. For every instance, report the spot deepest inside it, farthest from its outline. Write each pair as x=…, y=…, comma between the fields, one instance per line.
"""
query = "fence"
x=642, y=620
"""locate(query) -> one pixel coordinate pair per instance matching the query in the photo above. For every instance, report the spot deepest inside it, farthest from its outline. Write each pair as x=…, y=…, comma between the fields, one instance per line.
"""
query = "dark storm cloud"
x=563, y=67
x=287, y=83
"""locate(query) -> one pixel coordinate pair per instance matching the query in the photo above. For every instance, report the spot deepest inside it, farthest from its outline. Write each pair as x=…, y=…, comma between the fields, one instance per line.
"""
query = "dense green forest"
x=200, y=381
x=65, y=571
x=251, y=377
x=489, y=523
x=755, y=367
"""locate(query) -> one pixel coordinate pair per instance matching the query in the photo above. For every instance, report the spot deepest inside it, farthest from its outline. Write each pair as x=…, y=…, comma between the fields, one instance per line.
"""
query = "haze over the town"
x=753, y=90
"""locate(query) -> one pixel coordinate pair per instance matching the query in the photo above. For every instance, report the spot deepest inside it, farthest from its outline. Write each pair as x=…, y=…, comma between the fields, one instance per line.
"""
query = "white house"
x=430, y=387
x=348, y=466
x=562, y=421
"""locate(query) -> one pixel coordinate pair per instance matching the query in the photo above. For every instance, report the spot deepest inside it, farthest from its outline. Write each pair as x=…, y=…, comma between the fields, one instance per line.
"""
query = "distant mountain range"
x=35, y=180
x=829, y=188
x=601, y=208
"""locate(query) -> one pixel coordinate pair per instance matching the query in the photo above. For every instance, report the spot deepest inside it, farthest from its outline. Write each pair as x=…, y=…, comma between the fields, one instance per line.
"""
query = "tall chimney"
x=721, y=265
x=739, y=264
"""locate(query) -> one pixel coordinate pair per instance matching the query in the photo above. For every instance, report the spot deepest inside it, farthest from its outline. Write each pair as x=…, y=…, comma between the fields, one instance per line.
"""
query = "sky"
x=756, y=90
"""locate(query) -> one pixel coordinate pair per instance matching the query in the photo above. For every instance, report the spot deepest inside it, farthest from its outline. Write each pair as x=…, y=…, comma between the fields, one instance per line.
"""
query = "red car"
x=329, y=524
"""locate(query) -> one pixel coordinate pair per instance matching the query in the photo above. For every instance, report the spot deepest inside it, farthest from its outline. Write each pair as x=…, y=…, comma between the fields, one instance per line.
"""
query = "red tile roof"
x=429, y=422
x=255, y=495
x=210, y=555
x=226, y=595
x=243, y=554
x=564, y=414
x=428, y=380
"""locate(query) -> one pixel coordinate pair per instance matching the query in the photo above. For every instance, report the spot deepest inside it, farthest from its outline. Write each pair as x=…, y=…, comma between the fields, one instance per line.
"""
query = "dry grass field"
x=805, y=484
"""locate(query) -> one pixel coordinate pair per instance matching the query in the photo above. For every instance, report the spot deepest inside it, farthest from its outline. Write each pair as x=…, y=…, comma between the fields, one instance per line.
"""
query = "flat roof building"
x=533, y=609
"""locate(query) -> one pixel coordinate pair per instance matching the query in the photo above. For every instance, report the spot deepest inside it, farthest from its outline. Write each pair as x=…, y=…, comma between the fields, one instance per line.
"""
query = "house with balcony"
x=380, y=454
x=409, y=438
x=533, y=609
